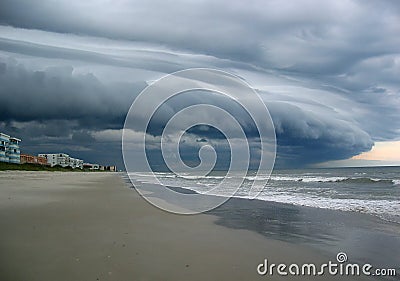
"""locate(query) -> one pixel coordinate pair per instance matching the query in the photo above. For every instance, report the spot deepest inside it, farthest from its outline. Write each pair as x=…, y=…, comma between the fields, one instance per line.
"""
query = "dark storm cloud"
x=52, y=52
x=329, y=36
x=57, y=94
x=305, y=137
x=341, y=59
x=55, y=109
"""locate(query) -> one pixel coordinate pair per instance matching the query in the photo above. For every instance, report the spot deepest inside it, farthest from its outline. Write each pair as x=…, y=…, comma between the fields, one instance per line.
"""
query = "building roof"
x=12, y=138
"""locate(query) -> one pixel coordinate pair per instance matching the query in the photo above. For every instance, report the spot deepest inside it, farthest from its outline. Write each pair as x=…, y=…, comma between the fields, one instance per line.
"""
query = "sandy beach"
x=92, y=226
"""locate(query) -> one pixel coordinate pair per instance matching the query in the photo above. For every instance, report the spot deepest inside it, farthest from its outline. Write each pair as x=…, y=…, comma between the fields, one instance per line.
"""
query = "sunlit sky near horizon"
x=384, y=151
x=381, y=154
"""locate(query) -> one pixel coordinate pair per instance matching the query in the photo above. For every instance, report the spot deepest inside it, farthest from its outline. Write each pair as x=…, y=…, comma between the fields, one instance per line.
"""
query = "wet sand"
x=92, y=226
x=364, y=238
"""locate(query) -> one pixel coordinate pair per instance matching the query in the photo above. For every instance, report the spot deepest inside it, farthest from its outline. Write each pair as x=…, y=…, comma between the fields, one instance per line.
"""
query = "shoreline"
x=372, y=216
x=326, y=230
x=92, y=226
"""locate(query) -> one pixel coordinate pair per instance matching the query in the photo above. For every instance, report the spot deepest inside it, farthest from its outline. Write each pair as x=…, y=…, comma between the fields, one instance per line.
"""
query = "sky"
x=328, y=72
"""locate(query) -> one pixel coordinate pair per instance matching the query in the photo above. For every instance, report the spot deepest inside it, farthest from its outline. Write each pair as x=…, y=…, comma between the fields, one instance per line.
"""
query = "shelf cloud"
x=328, y=71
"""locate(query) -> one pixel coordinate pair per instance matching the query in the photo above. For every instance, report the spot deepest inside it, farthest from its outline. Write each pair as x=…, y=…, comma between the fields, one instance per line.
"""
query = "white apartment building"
x=76, y=163
x=63, y=160
x=91, y=166
x=9, y=149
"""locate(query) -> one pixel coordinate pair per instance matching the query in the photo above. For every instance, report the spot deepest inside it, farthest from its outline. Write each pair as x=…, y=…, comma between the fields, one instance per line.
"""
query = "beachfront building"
x=9, y=149
x=112, y=168
x=97, y=167
x=62, y=159
x=31, y=159
x=76, y=163
x=91, y=166
x=4, y=139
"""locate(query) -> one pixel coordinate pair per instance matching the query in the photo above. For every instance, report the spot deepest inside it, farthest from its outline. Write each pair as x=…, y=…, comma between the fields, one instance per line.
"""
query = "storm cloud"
x=328, y=71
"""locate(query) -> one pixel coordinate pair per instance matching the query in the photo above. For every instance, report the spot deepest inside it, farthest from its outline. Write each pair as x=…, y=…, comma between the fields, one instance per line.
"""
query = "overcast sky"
x=327, y=70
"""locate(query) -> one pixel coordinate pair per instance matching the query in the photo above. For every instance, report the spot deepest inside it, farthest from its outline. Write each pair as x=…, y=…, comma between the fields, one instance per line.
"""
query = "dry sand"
x=91, y=226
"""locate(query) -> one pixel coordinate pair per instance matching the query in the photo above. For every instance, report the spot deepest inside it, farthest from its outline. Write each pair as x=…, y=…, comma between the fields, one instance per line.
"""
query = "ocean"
x=370, y=190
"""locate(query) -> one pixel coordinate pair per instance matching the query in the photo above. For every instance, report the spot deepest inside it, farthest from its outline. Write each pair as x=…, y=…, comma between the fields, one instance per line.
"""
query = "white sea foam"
x=342, y=192
x=256, y=178
x=305, y=178
x=187, y=177
x=348, y=204
x=297, y=178
x=380, y=208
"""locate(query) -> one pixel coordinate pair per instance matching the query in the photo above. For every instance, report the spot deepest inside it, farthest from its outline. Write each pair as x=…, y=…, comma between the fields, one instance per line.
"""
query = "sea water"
x=371, y=190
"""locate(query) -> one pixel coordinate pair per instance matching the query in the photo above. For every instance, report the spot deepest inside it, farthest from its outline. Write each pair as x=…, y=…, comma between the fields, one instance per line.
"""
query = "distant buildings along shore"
x=31, y=159
x=10, y=153
x=97, y=167
x=62, y=159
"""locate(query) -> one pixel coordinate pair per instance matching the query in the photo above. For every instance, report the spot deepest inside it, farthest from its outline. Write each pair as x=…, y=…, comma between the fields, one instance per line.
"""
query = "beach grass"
x=37, y=167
